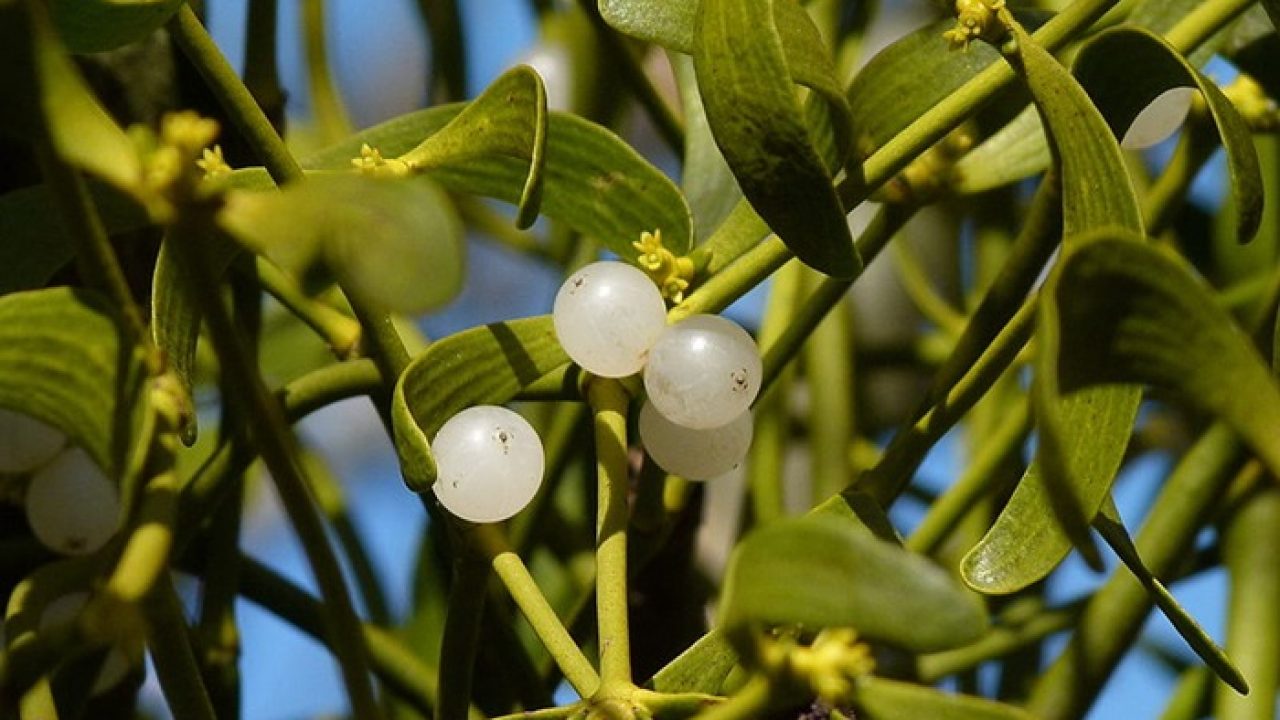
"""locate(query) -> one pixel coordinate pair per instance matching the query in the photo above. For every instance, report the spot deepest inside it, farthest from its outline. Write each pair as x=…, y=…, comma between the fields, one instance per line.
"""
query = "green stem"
x=218, y=633
x=765, y=463
x=261, y=69
x=1002, y=639
x=326, y=102
x=974, y=483
x=401, y=671
x=828, y=368
x=915, y=281
x=535, y=608
x=275, y=441
x=234, y=97
x=1114, y=615
x=1251, y=544
x=461, y=638
x=751, y=702
x=168, y=639
x=609, y=400
x=1188, y=701
x=95, y=258
x=1203, y=21
x=341, y=333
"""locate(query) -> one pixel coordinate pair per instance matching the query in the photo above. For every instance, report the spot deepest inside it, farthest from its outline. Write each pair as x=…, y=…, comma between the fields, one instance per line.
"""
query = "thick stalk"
x=1250, y=548
x=461, y=638
x=535, y=608
x=609, y=402
x=169, y=641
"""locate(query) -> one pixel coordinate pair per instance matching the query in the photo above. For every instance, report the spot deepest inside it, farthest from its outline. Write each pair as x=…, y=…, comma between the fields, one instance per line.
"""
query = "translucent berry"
x=489, y=462
x=25, y=442
x=694, y=454
x=607, y=316
x=72, y=507
x=1159, y=119
x=64, y=611
x=703, y=372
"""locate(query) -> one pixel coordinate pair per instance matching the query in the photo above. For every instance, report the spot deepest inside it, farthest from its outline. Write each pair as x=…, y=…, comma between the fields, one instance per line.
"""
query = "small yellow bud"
x=213, y=163
x=371, y=162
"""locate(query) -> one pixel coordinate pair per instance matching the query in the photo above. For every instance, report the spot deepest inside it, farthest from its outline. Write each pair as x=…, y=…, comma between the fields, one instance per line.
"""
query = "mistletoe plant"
x=141, y=230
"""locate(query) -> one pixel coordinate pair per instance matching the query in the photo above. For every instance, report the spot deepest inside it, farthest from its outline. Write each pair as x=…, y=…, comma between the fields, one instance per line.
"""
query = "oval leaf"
x=509, y=119
x=64, y=360
x=395, y=243
x=593, y=180
x=484, y=365
x=752, y=109
x=97, y=25
x=822, y=571
x=880, y=699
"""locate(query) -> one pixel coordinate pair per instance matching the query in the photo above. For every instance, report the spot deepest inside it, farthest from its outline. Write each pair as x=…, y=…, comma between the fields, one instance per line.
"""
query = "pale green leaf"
x=700, y=668
x=484, y=365
x=395, y=243
x=883, y=699
x=593, y=180
x=751, y=106
x=824, y=571
x=64, y=360
x=96, y=25
x=508, y=120
x=1016, y=151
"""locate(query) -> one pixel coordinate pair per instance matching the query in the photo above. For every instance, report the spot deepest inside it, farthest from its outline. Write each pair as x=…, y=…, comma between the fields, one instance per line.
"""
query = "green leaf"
x=1016, y=151
x=705, y=176
x=395, y=243
x=1152, y=67
x=822, y=571
x=48, y=101
x=1132, y=313
x=36, y=244
x=508, y=120
x=64, y=360
x=1083, y=436
x=97, y=25
x=702, y=667
x=1112, y=529
x=594, y=181
x=753, y=112
x=484, y=365
x=881, y=699
x=906, y=79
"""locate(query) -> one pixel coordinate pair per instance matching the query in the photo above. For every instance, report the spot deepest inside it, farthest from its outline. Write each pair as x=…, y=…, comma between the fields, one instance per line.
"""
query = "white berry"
x=703, y=372
x=25, y=442
x=694, y=454
x=64, y=611
x=72, y=507
x=607, y=315
x=489, y=464
x=1159, y=119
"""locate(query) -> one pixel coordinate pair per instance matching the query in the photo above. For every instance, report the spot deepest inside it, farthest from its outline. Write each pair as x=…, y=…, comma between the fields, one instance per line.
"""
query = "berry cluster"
x=701, y=376
x=73, y=508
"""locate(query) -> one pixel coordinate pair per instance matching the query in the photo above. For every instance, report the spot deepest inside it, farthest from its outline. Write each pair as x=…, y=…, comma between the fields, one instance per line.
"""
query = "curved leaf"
x=1083, y=436
x=395, y=243
x=593, y=180
x=509, y=119
x=752, y=109
x=1131, y=313
x=1152, y=67
x=1112, y=530
x=822, y=571
x=484, y=365
x=96, y=25
x=881, y=699
x=64, y=360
